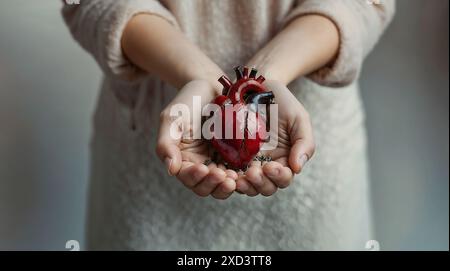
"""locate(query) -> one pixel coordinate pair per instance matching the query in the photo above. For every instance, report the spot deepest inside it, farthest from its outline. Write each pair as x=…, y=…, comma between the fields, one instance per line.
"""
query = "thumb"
x=167, y=148
x=170, y=154
x=300, y=154
x=303, y=145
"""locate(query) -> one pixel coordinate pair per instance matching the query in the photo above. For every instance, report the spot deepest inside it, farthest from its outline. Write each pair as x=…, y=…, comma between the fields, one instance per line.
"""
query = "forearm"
x=160, y=49
x=305, y=45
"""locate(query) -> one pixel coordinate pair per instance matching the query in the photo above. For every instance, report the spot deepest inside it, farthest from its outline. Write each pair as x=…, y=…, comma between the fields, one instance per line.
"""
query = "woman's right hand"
x=145, y=42
x=185, y=158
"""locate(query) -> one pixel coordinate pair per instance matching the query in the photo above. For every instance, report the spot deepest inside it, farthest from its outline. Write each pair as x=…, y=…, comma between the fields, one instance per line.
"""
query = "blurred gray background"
x=48, y=90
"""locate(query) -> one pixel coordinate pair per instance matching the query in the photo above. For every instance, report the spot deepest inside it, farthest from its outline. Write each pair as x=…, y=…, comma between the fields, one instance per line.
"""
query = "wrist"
x=273, y=72
x=211, y=77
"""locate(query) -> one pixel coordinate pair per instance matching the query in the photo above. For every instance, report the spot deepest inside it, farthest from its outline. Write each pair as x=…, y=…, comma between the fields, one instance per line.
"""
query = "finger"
x=283, y=161
x=225, y=189
x=278, y=174
x=254, y=176
x=261, y=183
x=268, y=189
x=212, y=165
x=167, y=147
x=191, y=174
x=215, y=177
x=244, y=187
x=231, y=174
x=303, y=145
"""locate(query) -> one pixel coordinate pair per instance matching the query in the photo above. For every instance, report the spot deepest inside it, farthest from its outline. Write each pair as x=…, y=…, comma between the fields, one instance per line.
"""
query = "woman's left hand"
x=295, y=146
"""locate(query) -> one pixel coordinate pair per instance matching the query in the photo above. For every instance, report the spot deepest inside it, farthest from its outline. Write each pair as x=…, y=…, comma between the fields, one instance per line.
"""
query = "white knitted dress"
x=135, y=205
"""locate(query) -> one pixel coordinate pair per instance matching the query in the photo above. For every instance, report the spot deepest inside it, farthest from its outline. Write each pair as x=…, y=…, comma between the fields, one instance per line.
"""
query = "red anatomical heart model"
x=246, y=125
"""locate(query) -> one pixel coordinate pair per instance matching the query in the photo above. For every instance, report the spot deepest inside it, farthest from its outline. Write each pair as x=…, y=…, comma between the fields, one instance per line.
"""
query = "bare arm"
x=160, y=49
x=305, y=45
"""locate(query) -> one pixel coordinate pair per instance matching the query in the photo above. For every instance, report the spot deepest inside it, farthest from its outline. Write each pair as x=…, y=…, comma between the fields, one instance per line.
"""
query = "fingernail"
x=168, y=162
x=303, y=160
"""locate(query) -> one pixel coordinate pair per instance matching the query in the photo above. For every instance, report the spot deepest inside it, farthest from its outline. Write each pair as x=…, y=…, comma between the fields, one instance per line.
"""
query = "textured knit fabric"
x=135, y=205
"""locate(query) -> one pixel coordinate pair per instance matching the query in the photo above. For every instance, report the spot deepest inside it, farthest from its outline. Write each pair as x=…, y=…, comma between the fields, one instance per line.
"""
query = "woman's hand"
x=276, y=60
x=160, y=49
x=295, y=146
x=184, y=158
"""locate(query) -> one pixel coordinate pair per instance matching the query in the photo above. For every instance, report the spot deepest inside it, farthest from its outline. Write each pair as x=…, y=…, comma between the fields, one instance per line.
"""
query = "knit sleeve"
x=97, y=25
x=360, y=24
